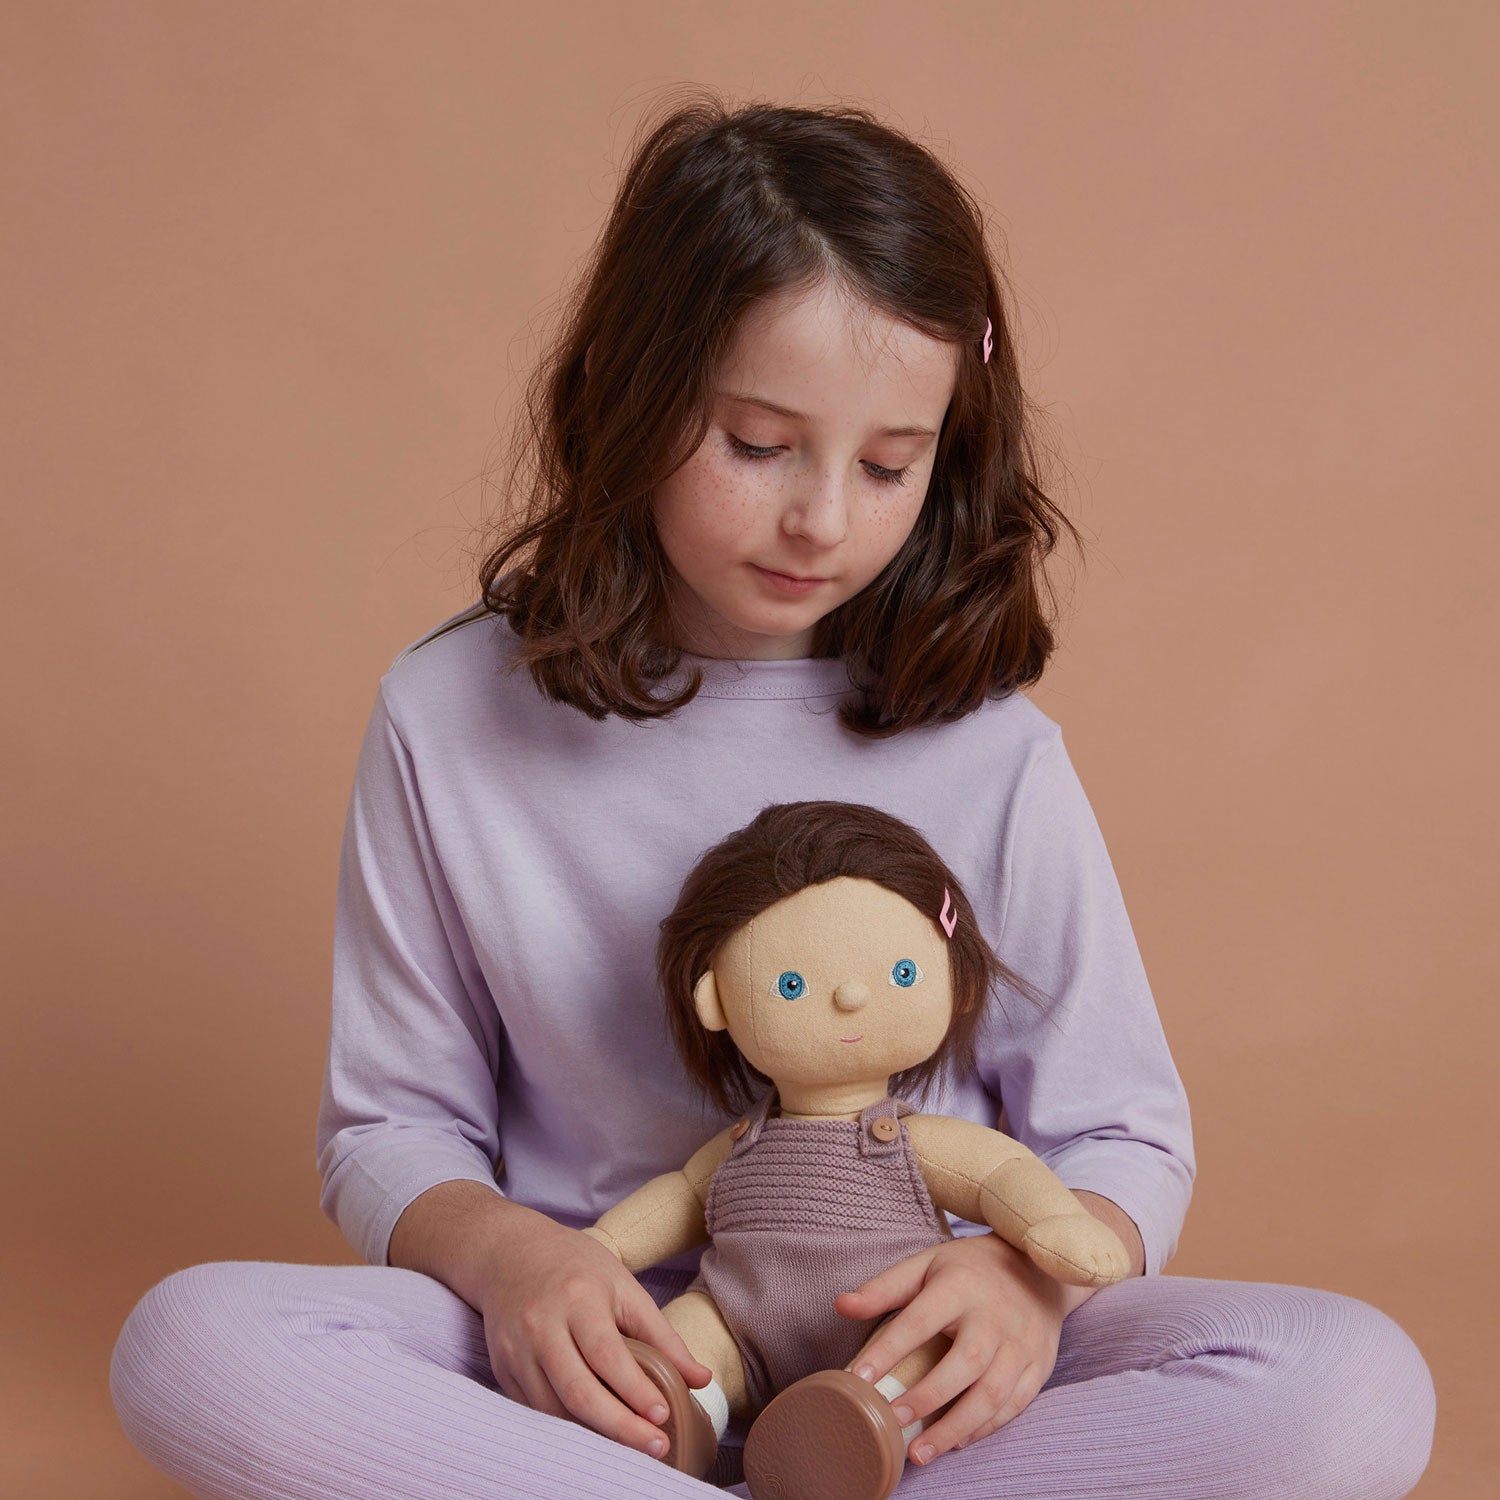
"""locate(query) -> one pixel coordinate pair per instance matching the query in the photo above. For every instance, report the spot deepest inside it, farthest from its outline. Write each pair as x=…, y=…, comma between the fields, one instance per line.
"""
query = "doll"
x=824, y=961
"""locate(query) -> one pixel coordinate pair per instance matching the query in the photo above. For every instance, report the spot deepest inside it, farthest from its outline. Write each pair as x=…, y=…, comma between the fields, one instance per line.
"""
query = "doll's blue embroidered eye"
x=906, y=973
x=790, y=985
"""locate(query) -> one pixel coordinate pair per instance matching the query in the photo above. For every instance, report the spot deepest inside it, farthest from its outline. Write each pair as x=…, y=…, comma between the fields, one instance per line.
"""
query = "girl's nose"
x=850, y=995
x=823, y=515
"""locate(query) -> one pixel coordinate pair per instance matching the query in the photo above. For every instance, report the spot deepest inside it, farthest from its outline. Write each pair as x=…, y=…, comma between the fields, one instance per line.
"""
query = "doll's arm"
x=663, y=1217
x=988, y=1178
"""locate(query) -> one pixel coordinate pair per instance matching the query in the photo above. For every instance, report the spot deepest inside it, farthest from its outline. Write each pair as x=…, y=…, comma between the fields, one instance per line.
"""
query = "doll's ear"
x=706, y=1003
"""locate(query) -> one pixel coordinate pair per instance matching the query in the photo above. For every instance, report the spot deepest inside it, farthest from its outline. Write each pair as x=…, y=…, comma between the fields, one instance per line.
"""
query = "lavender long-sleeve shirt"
x=506, y=861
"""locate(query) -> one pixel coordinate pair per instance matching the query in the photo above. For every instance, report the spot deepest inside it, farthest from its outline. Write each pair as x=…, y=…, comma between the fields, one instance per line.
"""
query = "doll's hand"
x=556, y=1312
x=1003, y=1314
x=1077, y=1249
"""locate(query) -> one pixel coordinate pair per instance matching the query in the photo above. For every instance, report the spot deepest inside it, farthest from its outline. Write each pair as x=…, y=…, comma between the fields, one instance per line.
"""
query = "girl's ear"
x=706, y=1003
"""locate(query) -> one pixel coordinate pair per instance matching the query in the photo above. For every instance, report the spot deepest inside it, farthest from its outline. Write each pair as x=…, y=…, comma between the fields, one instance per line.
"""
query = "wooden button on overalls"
x=884, y=1129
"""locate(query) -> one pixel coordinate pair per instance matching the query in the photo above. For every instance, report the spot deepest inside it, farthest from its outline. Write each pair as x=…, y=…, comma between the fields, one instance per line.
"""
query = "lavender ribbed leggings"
x=278, y=1381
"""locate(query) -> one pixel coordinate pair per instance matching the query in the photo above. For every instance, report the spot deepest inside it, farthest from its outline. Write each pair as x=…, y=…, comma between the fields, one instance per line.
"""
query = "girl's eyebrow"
x=785, y=411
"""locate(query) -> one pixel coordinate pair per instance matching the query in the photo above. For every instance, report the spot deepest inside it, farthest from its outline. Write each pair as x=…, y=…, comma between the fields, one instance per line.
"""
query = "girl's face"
x=831, y=991
x=815, y=466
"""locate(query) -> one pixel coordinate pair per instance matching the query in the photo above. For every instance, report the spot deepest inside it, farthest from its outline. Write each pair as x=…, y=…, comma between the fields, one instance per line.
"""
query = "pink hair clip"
x=989, y=343
x=949, y=914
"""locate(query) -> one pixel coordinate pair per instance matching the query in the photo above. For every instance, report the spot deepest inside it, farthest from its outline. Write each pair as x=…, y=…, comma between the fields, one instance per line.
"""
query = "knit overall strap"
x=756, y=1118
x=872, y=1143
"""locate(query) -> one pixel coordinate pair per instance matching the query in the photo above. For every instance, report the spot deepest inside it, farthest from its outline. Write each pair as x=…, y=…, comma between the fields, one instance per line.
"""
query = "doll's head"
x=810, y=947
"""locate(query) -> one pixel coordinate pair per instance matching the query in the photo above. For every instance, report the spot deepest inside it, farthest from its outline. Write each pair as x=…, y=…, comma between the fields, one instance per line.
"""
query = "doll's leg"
x=697, y=1417
x=263, y=1380
x=908, y=1371
x=833, y=1436
x=1184, y=1388
x=696, y=1316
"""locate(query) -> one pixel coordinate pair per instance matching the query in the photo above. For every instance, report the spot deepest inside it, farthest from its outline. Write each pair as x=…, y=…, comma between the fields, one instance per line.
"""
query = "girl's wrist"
x=460, y=1232
x=1110, y=1213
x=1074, y=1296
x=607, y=1240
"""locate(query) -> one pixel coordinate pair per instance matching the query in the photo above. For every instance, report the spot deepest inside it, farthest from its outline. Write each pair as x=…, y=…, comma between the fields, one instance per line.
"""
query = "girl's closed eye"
x=747, y=450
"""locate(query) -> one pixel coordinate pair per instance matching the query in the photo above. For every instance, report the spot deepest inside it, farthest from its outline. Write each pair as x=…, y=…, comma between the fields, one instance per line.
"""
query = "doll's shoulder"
x=709, y=1157
x=956, y=1145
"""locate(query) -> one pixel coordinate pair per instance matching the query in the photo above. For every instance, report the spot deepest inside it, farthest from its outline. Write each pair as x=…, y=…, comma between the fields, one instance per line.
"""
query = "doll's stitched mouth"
x=852, y=1038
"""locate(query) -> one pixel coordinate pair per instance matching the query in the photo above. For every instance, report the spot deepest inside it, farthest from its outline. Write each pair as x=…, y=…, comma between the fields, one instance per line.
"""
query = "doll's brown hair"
x=717, y=209
x=782, y=850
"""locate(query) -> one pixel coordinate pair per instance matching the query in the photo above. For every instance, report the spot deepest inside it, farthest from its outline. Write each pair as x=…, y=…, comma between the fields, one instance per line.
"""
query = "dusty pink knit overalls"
x=799, y=1211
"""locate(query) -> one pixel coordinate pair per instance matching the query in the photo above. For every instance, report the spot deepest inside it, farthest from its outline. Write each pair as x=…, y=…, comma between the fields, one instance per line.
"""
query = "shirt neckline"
x=728, y=677
x=796, y=677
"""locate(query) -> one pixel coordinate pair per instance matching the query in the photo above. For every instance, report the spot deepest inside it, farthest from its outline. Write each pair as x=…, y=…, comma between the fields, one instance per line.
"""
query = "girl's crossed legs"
x=267, y=1380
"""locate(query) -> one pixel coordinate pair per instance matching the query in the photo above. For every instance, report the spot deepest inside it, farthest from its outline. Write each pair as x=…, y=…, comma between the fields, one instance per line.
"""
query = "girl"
x=785, y=541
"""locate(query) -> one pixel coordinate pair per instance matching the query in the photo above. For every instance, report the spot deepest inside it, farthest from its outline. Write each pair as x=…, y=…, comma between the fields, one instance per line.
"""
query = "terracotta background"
x=273, y=274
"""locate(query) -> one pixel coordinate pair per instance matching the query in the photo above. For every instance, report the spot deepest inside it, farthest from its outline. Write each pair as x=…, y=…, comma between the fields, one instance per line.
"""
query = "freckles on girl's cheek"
x=732, y=504
x=889, y=514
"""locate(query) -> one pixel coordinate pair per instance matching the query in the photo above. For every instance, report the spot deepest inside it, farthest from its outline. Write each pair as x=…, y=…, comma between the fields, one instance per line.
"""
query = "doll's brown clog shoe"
x=692, y=1443
x=829, y=1436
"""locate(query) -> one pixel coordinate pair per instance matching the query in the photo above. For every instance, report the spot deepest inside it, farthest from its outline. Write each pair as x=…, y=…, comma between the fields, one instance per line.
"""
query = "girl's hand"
x=556, y=1312
x=1003, y=1315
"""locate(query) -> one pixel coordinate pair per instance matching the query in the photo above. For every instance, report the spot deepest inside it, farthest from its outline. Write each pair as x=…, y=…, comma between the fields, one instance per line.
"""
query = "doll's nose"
x=850, y=995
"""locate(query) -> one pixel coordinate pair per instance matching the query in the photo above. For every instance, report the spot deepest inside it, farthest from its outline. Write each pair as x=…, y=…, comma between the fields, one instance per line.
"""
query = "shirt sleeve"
x=409, y=1086
x=1089, y=1083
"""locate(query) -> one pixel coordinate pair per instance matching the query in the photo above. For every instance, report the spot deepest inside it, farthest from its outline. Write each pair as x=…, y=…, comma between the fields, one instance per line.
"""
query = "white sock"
x=715, y=1404
x=890, y=1388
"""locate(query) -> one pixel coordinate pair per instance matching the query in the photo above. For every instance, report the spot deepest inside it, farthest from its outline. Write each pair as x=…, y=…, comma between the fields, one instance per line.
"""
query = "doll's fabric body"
x=799, y=1211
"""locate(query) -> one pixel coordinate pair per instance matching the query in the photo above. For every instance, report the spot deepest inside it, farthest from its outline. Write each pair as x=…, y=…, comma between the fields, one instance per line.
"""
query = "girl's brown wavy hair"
x=786, y=847
x=717, y=209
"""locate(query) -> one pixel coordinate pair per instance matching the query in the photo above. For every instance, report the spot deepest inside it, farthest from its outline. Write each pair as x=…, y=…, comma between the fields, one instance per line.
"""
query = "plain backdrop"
x=273, y=277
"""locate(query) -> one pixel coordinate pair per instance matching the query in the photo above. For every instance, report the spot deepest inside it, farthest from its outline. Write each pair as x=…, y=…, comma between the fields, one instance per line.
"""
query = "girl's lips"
x=785, y=584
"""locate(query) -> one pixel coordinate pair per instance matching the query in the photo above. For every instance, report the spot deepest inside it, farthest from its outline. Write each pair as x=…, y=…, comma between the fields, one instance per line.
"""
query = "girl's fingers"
x=893, y=1287
x=997, y=1396
x=536, y=1389
x=647, y=1323
x=604, y=1349
x=984, y=1430
x=594, y=1404
x=516, y=1373
x=508, y=1383
x=975, y=1351
x=929, y=1312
